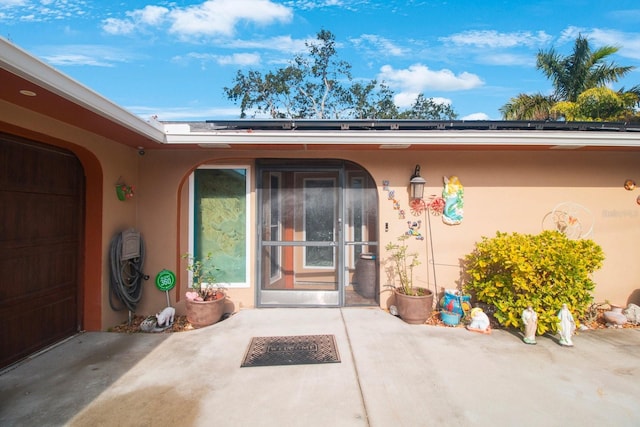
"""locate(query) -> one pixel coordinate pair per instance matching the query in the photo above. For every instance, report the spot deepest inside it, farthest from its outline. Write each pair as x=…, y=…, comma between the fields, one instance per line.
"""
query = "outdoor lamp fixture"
x=417, y=184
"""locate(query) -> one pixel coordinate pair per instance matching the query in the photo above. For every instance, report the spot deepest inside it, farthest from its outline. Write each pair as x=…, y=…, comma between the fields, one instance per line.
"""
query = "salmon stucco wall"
x=507, y=191
x=512, y=192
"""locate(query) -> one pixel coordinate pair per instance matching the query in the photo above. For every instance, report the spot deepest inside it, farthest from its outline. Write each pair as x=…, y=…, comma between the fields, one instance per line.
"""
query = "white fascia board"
x=558, y=139
x=21, y=63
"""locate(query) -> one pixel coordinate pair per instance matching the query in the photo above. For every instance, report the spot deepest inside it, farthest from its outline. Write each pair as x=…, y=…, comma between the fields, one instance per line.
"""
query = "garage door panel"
x=41, y=212
x=30, y=324
x=33, y=270
x=31, y=217
x=29, y=168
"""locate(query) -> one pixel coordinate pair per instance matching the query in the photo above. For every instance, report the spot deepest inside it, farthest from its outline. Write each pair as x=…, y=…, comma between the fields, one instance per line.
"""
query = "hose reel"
x=126, y=259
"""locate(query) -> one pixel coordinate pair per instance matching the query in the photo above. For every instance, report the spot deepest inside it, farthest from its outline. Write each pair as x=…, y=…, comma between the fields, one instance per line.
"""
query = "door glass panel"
x=319, y=221
x=299, y=216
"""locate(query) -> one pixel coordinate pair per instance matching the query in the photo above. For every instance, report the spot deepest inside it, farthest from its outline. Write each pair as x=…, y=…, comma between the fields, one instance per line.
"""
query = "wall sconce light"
x=417, y=184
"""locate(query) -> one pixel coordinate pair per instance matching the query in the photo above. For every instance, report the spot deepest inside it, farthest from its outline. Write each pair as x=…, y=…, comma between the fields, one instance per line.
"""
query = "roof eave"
x=26, y=66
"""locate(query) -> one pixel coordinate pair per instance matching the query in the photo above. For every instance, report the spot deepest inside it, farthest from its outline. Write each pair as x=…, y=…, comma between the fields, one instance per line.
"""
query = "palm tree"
x=583, y=69
x=571, y=75
x=529, y=107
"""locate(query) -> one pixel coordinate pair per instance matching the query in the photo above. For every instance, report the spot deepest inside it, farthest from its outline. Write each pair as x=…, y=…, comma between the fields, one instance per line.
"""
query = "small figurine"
x=479, y=321
x=566, y=326
x=166, y=316
x=413, y=229
x=530, y=321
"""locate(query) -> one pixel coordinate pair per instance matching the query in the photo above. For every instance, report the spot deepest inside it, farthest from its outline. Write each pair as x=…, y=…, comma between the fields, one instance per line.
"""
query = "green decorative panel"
x=220, y=210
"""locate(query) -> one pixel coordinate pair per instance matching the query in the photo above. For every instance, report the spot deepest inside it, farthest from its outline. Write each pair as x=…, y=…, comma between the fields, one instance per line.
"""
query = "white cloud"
x=92, y=55
x=315, y=4
x=209, y=18
x=507, y=59
x=381, y=45
x=13, y=3
x=242, y=59
x=569, y=34
x=41, y=10
x=407, y=99
x=149, y=15
x=418, y=78
x=494, y=39
x=628, y=43
x=76, y=59
x=118, y=26
x=476, y=116
x=281, y=44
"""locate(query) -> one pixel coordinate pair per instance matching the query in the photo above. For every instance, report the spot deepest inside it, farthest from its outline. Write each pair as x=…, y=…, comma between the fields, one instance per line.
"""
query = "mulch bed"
x=180, y=324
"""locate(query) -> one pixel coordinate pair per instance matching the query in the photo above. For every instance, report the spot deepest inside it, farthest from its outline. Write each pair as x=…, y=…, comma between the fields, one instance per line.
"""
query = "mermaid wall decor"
x=453, y=195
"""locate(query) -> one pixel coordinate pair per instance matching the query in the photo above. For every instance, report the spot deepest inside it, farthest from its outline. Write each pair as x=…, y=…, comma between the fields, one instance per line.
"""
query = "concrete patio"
x=391, y=374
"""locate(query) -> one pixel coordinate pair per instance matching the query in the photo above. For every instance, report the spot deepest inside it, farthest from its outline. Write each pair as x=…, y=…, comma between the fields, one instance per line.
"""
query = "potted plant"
x=414, y=304
x=206, y=299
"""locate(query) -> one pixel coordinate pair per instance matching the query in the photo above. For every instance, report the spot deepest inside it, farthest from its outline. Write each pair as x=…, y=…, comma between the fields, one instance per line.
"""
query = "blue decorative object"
x=449, y=318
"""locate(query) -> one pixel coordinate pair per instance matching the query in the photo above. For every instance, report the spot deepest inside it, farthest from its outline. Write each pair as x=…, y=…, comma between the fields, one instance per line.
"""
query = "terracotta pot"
x=204, y=313
x=414, y=309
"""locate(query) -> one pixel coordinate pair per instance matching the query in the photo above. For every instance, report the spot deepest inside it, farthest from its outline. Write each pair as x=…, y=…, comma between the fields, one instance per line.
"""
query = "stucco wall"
x=104, y=162
x=504, y=191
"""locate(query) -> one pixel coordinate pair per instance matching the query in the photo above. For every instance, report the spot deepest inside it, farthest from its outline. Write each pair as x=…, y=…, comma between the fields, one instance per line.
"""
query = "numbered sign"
x=165, y=280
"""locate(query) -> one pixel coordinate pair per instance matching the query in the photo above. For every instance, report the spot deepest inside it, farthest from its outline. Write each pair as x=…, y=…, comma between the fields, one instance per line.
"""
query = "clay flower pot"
x=204, y=313
x=415, y=310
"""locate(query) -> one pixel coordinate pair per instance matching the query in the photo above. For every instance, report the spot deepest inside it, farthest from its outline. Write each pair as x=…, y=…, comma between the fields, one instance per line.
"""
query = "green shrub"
x=512, y=271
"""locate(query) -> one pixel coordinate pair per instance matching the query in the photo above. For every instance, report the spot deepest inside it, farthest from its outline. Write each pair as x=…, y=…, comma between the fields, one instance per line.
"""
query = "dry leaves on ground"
x=180, y=324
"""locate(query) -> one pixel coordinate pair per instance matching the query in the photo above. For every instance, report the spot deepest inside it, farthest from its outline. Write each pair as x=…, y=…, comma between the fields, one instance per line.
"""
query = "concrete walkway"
x=391, y=374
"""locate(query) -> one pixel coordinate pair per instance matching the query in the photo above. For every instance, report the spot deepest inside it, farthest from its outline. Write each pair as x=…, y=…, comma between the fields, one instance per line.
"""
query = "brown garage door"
x=41, y=223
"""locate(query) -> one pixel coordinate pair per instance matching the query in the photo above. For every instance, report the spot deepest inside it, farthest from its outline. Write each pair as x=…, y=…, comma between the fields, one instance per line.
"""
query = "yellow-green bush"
x=512, y=271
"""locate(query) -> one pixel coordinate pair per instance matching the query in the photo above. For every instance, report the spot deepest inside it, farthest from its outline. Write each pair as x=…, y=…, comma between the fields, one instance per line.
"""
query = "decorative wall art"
x=124, y=191
x=571, y=219
x=453, y=195
x=449, y=205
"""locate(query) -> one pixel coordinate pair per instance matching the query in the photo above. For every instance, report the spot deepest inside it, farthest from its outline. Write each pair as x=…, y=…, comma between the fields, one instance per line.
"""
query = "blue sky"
x=173, y=58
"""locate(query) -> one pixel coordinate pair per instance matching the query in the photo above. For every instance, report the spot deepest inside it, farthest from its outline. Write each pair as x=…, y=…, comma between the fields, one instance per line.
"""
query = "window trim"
x=248, y=235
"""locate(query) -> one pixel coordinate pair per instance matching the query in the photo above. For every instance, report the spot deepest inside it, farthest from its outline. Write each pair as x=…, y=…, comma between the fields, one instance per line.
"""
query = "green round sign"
x=165, y=280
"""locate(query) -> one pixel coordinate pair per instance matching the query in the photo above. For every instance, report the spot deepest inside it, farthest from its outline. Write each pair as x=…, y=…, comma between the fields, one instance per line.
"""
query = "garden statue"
x=166, y=316
x=633, y=314
x=566, y=326
x=452, y=193
x=615, y=317
x=479, y=321
x=530, y=321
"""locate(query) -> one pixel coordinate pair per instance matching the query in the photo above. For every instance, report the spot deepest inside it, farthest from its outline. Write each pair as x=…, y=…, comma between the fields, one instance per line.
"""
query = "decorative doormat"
x=291, y=350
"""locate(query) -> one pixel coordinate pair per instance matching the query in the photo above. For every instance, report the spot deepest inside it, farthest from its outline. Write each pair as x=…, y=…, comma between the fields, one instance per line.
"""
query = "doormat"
x=291, y=350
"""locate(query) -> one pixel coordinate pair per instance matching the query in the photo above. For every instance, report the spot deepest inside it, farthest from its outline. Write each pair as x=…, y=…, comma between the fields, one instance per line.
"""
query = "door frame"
x=342, y=247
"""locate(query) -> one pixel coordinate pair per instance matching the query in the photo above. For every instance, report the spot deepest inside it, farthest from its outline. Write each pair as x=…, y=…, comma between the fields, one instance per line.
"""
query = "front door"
x=316, y=220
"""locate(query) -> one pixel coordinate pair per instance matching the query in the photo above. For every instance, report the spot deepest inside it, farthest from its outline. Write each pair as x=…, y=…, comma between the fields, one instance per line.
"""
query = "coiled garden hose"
x=126, y=276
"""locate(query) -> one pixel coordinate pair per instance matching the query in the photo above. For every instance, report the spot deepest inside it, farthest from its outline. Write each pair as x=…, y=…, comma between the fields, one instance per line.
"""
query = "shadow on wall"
x=634, y=298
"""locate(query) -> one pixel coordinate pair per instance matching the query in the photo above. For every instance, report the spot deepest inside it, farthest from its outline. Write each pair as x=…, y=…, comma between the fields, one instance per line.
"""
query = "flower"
x=128, y=190
x=204, y=286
